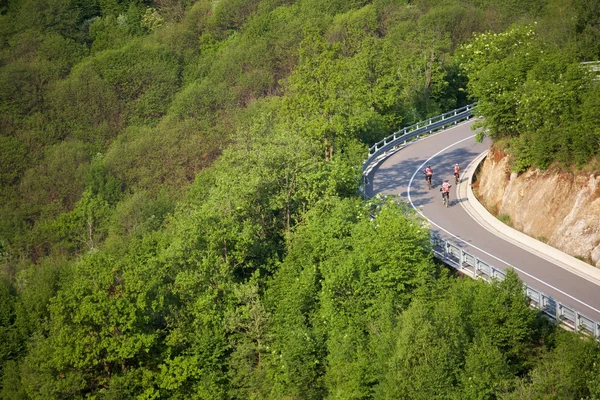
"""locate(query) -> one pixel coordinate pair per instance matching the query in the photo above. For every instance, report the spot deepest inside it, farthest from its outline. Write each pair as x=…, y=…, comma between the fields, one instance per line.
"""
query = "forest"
x=180, y=207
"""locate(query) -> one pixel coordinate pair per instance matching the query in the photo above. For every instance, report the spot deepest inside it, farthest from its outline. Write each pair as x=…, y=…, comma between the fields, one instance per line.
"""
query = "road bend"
x=401, y=175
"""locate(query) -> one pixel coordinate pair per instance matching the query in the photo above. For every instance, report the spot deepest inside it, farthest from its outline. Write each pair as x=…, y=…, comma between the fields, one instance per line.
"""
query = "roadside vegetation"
x=537, y=86
x=180, y=209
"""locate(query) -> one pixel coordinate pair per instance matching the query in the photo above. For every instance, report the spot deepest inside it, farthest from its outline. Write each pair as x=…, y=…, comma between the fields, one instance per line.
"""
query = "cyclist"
x=428, y=175
x=456, y=172
x=445, y=189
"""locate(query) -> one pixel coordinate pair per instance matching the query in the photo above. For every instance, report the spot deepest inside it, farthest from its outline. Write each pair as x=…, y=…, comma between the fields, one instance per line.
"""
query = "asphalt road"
x=401, y=174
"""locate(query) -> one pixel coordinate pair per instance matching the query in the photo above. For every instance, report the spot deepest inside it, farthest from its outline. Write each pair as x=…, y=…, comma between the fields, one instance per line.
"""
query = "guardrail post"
x=577, y=321
x=461, y=259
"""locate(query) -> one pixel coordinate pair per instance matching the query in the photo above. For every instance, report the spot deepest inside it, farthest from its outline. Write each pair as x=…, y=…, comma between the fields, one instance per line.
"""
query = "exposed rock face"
x=559, y=208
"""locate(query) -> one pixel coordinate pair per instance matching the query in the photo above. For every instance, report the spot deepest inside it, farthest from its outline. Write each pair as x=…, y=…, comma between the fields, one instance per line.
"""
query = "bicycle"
x=456, y=171
x=445, y=189
x=428, y=180
x=446, y=198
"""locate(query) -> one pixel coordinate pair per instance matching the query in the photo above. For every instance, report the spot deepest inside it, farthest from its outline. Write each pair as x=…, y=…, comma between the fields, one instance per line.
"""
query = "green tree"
x=137, y=215
x=497, y=66
x=530, y=89
x=334, y=99
x=106, y=321
x=34, y=286
x=10, y=347
x=347, y=288
x=568, y=371
x=486, y=372
x=84, y=228
x=108, y=33
x=59, y=179
x=13, y=160
x=501, y=313
x=426, y=358
x=247, y=325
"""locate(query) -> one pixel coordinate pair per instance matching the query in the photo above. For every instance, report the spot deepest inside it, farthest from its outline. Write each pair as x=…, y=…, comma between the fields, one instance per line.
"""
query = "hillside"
x=180, y=209
x=557, y=207
x=538, y=94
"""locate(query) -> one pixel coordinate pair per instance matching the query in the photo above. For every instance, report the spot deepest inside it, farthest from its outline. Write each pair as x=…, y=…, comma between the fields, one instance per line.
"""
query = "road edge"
x=484, y=218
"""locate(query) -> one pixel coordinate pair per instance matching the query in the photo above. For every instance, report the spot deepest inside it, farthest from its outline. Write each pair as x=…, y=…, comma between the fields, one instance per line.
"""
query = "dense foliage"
x=180, y=213
x=536, y=88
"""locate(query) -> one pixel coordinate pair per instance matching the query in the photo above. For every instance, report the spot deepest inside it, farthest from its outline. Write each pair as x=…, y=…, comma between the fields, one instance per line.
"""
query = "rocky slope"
x=561, y=209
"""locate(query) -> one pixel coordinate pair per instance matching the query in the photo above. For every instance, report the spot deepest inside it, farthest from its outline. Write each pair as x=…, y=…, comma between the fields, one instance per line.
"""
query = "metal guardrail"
x=456, y=257
x=476, y=268
x=387, y=146
x=594, y=68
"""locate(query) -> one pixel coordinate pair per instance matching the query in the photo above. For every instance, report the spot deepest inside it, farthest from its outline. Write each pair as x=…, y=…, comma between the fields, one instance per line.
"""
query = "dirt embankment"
x=559, y=208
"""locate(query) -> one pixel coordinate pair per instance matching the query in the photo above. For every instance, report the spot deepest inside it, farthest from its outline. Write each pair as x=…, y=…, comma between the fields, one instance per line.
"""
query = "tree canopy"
x=534, y=88
x=180, y=207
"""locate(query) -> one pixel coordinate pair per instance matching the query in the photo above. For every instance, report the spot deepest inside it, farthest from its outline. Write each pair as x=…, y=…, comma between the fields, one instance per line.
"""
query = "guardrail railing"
x=594, y=68
x=476, y=268
x=387, y=146
x=455, y=256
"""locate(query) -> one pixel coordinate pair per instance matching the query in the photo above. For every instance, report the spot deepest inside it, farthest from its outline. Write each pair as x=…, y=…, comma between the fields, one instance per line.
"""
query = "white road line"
x=473, y=246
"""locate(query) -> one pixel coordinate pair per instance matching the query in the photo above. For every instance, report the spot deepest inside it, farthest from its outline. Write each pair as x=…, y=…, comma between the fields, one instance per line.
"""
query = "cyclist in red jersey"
x=456, y=172
x=428, y=175
x=445, y=189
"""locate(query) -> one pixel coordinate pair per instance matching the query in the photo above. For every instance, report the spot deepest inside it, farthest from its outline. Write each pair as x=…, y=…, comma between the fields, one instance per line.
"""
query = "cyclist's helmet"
x=429, y=166
x=456, y=165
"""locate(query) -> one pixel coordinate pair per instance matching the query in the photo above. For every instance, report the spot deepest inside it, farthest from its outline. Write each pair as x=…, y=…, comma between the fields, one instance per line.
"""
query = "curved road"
x=401, y=174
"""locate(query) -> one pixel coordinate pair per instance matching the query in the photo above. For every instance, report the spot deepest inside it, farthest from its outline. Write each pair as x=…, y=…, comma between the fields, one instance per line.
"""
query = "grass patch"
x=542, y=239
x=584, y=259
x=505, y=218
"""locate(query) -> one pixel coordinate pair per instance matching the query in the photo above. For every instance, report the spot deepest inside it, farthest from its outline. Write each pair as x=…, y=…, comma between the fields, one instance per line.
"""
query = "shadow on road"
x=387, y=178
x=444, y=163
x=392, y=177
